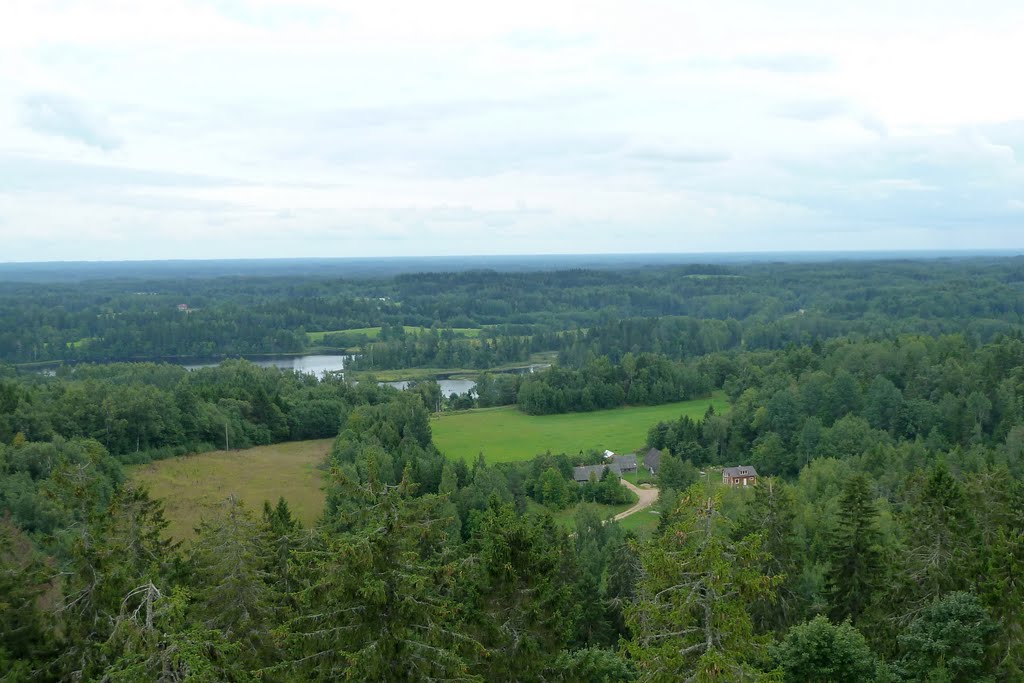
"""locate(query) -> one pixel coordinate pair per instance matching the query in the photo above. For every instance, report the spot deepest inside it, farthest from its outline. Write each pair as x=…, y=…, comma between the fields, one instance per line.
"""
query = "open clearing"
x=374, y=332
x=637, y=516
x=193, y=486
x=507, y=435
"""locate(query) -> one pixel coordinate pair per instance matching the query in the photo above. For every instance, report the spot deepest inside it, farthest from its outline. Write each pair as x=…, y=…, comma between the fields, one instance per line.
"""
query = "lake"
x=448, y=386
x=321, y=364
x=316, y=364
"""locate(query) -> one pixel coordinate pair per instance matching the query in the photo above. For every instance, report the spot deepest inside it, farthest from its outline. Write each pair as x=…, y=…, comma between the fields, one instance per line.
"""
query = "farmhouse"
x=739, y=476
x=625, y=463
x=616, y=464
x=652, y=460
x=582, y=473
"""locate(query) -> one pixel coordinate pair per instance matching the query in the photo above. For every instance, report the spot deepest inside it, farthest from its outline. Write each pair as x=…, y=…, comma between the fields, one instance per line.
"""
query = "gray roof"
x=625, y=462
x=741, y=471
x=583, y=472
x=652, y=459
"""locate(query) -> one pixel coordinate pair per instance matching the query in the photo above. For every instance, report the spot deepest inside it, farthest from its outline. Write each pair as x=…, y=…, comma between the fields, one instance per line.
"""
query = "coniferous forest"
x=881, y=403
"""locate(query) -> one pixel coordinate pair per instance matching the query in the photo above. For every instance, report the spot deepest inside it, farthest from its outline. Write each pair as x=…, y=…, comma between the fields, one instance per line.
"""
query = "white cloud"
x=271, y=127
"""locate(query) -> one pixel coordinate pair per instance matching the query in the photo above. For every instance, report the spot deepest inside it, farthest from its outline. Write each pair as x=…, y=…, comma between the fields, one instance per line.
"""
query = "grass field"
x=567, y=518
x=641, y=476
x=507, y=435
x=408, y=374
x=641, y=523
x=374, y=332
x=193, y=486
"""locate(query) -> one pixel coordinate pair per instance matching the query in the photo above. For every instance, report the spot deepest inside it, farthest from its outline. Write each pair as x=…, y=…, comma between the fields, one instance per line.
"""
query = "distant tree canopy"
x=677, y=311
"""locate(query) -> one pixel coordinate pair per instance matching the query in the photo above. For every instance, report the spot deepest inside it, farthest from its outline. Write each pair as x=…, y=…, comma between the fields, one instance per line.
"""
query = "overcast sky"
x=150, y=129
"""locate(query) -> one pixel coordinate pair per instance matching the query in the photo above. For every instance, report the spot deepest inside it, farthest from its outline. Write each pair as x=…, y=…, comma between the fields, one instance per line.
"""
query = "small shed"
x=652, y=460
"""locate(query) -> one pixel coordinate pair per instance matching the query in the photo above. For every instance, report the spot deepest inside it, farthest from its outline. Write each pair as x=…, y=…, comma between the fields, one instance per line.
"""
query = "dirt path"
x=646, y=496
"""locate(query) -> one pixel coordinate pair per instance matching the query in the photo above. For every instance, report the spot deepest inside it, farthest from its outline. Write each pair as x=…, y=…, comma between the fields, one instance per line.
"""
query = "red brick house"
x=743, y=475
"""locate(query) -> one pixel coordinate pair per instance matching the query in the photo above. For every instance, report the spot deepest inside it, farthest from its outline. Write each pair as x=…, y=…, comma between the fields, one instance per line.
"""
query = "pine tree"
x=855, y=556
x=941, y=539
x=376, y=603
x=772, y=515
x=26, y=631
x=447, y=490
x=690, y=621
x=622, y=574
x=233, y=593
x=594, y=626
x=519, y=607
x=281, y=530
x=122, y=548
x=1002, y=590
x=153, y=639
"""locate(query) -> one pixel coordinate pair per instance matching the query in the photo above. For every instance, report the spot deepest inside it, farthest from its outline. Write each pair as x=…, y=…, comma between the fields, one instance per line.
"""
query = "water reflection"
x=316, y=364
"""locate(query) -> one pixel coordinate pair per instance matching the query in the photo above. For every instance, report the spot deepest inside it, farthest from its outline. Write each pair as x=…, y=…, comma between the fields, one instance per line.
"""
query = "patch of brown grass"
x=192, y=487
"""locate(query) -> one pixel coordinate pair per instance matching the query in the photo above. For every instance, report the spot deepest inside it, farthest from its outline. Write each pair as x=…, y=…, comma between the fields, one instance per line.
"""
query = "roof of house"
x=741, y=471
x=625, y=462
x=583, y=472
x=652, y=459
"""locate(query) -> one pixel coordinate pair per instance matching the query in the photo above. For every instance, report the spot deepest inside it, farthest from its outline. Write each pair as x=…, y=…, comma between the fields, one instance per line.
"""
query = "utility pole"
x=227, y=444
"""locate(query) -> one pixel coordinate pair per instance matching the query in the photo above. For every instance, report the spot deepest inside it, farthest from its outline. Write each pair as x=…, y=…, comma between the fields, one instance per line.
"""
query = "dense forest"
x=679, y=311
x=882, y=403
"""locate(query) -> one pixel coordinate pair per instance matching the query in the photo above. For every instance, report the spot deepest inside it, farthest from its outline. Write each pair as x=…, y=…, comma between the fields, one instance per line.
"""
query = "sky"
x=263, y=128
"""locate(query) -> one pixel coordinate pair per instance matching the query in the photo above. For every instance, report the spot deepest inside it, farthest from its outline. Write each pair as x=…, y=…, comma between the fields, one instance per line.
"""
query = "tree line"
x=139, y=411
x=678, y=311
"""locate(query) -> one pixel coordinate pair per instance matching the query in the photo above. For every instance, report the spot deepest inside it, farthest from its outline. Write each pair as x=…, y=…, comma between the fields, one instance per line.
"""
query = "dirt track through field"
x=646, y=499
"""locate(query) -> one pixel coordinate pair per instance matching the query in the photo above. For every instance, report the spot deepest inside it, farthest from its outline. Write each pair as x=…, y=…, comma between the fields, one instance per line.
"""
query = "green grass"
x=374, y=332
x=370, y=332
x=193, y=486
x=567, y=518
x=507, y=435
x=641, y=523
x=409, y=374
x=641, y=476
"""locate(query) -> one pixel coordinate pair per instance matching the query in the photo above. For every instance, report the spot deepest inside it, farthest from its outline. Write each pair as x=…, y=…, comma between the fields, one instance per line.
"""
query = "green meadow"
x=507, y=435
x=374, y=332
x=192, y=487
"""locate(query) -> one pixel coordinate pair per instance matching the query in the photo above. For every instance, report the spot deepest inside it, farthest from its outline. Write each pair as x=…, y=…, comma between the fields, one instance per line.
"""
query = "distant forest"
x=678, y=311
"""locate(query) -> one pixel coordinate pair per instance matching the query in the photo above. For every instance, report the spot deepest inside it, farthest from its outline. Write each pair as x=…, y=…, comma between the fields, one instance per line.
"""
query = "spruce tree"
x=375, y=599
x=941, y=539
x=771, y=514
x=690, y=620
x=855, y=556
x=233, y=591
x=122, y=549
x=518, y=603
